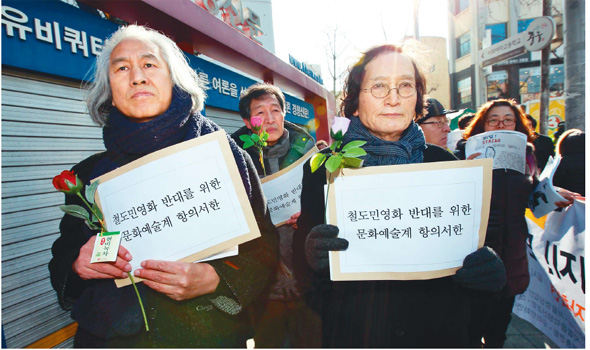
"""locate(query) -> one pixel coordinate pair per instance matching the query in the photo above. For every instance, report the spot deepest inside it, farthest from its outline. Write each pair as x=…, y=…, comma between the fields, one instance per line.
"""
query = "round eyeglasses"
x=382, y=90
x=439, y=123
x=505, y=122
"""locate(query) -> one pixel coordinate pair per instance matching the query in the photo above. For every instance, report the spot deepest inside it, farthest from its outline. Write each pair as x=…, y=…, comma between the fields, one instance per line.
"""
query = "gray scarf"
x=275, y=152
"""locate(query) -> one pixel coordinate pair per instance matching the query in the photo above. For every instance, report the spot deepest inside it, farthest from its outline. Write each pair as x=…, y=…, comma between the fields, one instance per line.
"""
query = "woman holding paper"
x=384, y=94
x=507, y=228
x=146, y=97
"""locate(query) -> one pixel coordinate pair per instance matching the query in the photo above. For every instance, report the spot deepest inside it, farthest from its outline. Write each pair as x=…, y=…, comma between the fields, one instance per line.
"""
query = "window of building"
x=530, y=82
x=464, y=89
x=464, y=45
x=461, y=5
x=497, y=85
x=498, y=32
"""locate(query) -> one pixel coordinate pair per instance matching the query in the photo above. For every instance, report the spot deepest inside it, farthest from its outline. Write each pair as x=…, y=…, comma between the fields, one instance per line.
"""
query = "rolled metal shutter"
x=45, y=129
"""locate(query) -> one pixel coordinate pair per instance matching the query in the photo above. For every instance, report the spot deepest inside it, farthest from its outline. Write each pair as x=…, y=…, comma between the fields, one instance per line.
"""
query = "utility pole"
x=575, y=75
x=544, y=107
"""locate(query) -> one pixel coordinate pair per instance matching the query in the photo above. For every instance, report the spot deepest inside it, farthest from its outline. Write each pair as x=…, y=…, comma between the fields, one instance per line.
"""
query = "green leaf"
x=248, y=144
x=255, y=137
x=353, y=144
x=75, y=210
x=352, y=162
x=316, y=161
x=333, y=163
x=355, y=152
x=245, y=138
x=90, y=190
x=264, y=136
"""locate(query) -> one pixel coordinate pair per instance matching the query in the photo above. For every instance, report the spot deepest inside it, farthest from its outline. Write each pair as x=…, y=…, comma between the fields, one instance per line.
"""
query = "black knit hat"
x=434, y=109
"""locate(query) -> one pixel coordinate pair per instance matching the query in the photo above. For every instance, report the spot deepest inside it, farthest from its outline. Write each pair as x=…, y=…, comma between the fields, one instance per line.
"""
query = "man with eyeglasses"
x=435, y=123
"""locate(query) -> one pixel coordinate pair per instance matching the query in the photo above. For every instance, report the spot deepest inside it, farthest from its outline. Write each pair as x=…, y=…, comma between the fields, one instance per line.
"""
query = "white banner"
x=555, y=299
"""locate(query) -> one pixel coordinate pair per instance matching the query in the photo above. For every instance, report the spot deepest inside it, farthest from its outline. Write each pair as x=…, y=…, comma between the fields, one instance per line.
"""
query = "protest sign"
x=543, y=198
x=185, y=202
x=506, y=148
x=415, y=221
x=555, y=299
x=283, y=190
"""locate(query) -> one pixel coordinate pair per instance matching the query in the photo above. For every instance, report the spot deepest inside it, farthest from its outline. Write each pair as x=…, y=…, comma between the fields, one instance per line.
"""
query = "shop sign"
x=225, y=86
x=56, y=38
x=305, y=69
x=234, y=14
x=536, y=37
x=52, y=37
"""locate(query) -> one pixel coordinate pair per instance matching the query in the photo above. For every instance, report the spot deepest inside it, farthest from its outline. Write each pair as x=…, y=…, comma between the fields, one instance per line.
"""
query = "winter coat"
x=110, y=316
x=393, y=314
x=571, y=172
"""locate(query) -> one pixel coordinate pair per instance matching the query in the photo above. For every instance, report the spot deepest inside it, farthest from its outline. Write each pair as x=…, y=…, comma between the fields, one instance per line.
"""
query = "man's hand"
x=293, y=220
x=569, y=197
x=178, y=280
x=86, y=270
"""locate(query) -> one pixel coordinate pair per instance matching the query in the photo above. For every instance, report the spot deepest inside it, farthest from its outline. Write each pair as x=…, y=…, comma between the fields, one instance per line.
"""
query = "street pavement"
x=523, y=335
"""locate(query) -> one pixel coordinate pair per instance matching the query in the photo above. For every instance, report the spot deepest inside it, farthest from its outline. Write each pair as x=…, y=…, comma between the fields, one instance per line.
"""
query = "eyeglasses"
x=496, y=122
x=382, y=90
x=439, y=123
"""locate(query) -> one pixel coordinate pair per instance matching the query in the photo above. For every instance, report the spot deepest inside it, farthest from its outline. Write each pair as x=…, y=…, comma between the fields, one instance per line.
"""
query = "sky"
x=300, y=27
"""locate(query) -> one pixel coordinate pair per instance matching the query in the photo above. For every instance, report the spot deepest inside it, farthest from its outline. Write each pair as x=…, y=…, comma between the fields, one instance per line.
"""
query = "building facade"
x=475, y=24
x=48, y=48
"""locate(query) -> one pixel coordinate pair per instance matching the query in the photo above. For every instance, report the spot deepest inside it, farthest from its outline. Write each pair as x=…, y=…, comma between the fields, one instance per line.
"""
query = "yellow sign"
x=556, y=113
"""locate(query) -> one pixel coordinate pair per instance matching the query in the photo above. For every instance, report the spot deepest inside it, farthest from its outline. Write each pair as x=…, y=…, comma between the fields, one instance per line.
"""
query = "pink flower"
x=256, y=123
x=339, y=128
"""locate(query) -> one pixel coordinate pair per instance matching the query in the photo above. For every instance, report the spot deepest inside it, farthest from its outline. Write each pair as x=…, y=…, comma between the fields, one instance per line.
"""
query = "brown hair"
x=477, y=125
x=352, y=86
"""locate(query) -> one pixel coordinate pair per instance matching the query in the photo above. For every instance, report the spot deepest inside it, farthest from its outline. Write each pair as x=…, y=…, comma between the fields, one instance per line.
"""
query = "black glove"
x=482, y=270
x=320, y=240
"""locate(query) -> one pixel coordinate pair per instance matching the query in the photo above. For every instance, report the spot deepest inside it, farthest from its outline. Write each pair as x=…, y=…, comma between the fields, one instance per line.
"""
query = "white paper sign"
x=506, y=148
x=414, y=221
x=452, y=138
x=283, y=190
x=554, y=301
x=189, y=203
x=543, y=198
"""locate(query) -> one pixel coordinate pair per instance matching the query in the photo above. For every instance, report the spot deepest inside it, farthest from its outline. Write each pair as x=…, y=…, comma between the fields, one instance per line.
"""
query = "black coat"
x=110, y=317
x=543, y=149
x=571, y=172
x=393, y=314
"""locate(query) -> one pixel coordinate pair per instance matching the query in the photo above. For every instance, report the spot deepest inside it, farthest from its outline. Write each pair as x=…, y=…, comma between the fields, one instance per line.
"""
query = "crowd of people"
x=278, y=290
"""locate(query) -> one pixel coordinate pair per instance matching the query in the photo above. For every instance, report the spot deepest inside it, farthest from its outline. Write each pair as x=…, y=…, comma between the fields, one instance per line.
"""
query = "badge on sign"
x=106, y=247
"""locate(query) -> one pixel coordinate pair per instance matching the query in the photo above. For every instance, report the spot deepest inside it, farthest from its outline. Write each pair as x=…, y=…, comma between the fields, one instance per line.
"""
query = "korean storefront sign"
x=57, y=38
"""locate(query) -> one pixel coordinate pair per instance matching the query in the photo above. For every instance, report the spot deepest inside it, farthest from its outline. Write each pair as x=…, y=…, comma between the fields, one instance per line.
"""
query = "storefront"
x=47, y=49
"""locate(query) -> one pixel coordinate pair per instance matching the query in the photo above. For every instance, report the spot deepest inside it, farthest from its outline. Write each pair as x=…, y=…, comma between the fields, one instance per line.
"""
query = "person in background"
x=464, y=121
x=560, y=130
x=543, y=144
x=434, y=123
x=282, y=319
x=146, y=97
x=571, y=172
x=384, y=94
x=507, y=228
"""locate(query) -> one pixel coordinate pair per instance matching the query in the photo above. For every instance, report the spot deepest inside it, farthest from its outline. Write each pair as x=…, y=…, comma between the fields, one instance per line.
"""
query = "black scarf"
x=126, y=140
x=408, y=149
